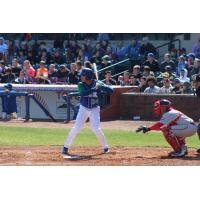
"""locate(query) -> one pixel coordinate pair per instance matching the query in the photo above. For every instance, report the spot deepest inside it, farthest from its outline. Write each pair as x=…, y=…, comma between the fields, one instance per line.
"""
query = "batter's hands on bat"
x=99, y=85
x=142, y=128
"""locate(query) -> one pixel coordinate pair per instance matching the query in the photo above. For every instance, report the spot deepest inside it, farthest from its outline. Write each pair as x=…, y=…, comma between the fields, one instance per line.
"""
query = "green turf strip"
x=18, y=136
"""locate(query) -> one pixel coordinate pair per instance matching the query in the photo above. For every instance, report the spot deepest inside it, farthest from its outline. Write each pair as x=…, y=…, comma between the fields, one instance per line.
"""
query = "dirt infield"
x=91, y=156
x=122, y=156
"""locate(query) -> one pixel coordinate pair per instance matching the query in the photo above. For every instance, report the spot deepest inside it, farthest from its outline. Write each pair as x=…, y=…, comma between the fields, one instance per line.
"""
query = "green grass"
x=17, y=136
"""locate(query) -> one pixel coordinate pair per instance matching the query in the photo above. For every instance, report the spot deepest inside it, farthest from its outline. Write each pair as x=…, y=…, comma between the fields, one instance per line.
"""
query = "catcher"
x=175, y=127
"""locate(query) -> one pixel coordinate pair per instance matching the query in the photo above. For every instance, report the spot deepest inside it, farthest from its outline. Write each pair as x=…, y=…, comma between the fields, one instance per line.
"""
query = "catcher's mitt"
x=143, y=128
x=198, y=130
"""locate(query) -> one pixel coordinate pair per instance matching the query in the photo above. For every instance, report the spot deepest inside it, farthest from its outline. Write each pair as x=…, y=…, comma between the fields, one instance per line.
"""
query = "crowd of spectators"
x=29, y=62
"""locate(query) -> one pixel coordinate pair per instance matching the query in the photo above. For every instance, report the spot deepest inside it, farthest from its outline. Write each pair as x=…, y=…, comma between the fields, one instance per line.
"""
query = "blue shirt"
x=90, y=95
x=9, y=104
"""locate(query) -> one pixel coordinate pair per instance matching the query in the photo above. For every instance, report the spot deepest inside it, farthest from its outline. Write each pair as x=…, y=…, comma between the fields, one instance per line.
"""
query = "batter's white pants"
x=185, y=130
x=83, y=114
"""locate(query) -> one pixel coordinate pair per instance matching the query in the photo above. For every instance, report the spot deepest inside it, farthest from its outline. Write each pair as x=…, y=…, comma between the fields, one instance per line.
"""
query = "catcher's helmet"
x=87, y=72
x=163, y=103
x=8, y=86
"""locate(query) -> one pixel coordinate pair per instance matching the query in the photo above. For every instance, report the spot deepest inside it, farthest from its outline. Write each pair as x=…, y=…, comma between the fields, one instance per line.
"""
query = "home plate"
x=71, y=157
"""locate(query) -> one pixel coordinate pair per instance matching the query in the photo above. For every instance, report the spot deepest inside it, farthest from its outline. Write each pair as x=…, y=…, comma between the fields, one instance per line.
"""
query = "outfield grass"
x=18, y=136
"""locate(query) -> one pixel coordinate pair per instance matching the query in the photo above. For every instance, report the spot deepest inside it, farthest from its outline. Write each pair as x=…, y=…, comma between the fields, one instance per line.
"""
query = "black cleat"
x=198, y=150
x=65, y=151
x=106, y=150
x=178, y=154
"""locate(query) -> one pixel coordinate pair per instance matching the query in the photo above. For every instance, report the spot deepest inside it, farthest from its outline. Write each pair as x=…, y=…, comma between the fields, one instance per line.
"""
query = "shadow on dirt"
x=74, y=157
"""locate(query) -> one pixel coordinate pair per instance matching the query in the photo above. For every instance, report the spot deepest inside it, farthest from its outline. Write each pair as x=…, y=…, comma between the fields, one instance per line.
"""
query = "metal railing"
x=167, y=44
x=113, y=65
x=113, y=76
x=170, y=42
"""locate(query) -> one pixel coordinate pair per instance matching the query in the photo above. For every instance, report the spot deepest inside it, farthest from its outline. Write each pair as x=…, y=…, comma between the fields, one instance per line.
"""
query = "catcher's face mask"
x=161, y=106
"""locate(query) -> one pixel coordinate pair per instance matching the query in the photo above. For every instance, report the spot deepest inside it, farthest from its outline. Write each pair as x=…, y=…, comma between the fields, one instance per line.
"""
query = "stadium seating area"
x=26, y=59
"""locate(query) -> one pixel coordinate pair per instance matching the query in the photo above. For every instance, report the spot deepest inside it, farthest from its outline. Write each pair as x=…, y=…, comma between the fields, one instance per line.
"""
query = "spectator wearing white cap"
x=147, y=71
x=136, y=71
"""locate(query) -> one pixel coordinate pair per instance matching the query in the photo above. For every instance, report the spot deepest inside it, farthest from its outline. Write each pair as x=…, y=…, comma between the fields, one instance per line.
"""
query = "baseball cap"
x=165, y=75
x=106, y=57
x=197, y=78
x=8, y=86
x=62, y=66
x=136, y=67
x=177, y=80
x=42, y=62
x=150, y=55
x=187, y=84
x=168, y=67
x=191, y=55
x=146, y=68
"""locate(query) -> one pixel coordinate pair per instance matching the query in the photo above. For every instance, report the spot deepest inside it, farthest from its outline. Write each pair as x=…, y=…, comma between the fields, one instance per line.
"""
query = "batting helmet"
x=163, y=103
x=8, y=86
x=87, y=72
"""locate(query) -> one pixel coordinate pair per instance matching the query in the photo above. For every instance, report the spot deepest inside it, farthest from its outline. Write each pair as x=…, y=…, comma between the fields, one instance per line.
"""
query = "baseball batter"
x=90, y=90
x=175, y=126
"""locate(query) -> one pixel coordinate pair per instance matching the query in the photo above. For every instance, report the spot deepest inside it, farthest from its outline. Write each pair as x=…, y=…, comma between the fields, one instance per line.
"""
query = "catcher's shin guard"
x=171, y=139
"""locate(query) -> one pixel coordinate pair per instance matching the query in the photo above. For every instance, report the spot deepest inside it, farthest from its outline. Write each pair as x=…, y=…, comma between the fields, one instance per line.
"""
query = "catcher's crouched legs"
x=171, y=139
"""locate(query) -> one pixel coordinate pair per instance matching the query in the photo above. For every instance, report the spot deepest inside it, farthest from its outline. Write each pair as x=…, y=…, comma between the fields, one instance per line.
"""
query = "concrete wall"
x=112, y=111
x=132, y=104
